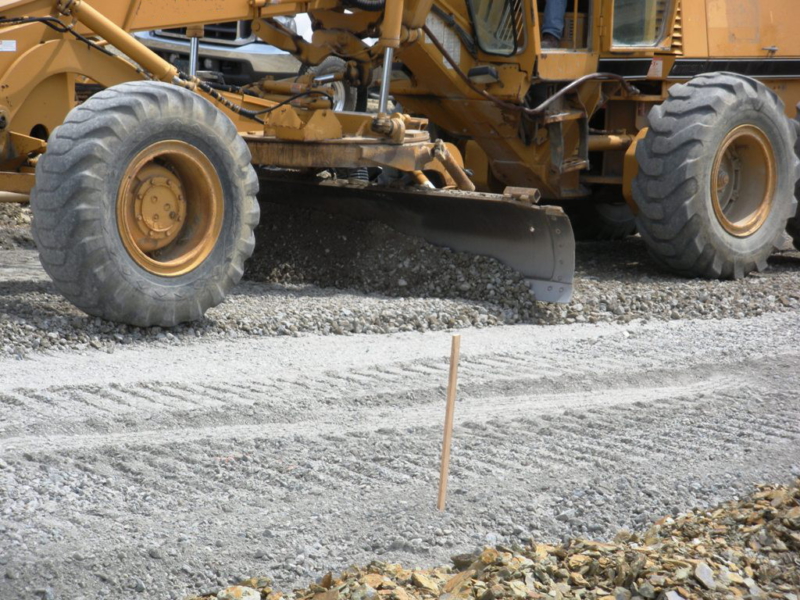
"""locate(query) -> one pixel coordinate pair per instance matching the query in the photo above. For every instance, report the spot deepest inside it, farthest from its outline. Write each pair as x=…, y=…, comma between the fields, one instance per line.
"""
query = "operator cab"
x=575, y=24
x=640, y=23
x=501, y=30
x=637, y=23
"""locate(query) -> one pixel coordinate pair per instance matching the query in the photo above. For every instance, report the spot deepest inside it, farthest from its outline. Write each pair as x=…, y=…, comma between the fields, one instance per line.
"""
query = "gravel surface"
x=154, y=472
x=314, y=273
x=15, y=221
x=739, y=549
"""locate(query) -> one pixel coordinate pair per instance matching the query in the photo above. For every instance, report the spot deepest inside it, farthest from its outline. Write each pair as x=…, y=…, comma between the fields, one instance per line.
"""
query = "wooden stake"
x=455, y=352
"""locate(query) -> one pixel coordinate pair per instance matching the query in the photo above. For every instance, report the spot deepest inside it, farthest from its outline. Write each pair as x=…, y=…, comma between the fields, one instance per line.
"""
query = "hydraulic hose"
x=531, y=112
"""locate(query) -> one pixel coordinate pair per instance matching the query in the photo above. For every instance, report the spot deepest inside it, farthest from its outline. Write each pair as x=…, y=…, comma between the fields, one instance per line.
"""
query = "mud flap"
x=537, y=241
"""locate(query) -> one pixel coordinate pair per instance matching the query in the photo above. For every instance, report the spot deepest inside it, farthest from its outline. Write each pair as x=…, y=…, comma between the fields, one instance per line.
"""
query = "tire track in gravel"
x=470, y=409
x=75, y=408
x=578, y=433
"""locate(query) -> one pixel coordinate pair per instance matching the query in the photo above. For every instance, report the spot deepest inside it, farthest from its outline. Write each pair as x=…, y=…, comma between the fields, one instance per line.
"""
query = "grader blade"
x=536, y=241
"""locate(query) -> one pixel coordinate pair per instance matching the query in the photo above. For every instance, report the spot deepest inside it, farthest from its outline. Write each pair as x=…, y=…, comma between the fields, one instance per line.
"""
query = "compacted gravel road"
x=279, y=437
x=155, y=471
x=318, y=274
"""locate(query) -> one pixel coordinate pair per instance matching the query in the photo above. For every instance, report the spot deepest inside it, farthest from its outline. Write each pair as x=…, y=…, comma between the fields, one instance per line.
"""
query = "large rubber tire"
x=793, y=226
x=78, y=186
x=345, y=97
x=676, y=159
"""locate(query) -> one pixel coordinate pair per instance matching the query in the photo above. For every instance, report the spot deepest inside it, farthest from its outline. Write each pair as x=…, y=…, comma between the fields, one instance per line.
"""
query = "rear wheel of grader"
x=144, y=205
x=793, y=226
x=717, y=174
x=603, y=217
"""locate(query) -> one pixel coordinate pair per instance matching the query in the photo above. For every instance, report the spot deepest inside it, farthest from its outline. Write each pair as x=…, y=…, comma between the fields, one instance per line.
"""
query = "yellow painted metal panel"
x=749, y=28
x=695, y=38
x=567, y=66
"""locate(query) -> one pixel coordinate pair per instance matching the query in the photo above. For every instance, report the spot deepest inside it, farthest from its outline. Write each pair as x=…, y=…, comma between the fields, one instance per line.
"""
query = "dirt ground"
x=154, y=464
x=170, y=470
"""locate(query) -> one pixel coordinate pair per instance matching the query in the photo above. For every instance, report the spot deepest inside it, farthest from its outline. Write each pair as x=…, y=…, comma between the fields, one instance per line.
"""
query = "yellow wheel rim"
x=743, y=181
x=170, y=208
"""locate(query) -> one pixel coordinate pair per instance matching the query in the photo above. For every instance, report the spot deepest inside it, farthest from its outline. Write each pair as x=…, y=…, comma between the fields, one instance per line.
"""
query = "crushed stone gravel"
x=188, y=468
x=748, y=548
x=15, y=220
x=321, y=274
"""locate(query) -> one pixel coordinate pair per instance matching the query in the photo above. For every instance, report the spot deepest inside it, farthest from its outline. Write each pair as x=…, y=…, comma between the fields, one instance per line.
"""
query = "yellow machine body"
x=689, y=38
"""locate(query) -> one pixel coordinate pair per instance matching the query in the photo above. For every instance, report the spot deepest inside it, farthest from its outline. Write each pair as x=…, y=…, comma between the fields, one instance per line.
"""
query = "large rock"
x=239, y=592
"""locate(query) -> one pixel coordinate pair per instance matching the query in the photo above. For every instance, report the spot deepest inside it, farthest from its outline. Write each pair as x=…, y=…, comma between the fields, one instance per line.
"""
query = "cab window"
x=498, y=25
x=640, y=22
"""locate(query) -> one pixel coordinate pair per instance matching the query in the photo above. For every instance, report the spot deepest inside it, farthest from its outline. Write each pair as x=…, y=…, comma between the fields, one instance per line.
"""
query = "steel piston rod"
x=386, y=80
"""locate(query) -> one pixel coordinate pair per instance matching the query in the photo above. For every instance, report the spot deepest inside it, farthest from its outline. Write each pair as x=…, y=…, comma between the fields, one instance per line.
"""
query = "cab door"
x=579, y=51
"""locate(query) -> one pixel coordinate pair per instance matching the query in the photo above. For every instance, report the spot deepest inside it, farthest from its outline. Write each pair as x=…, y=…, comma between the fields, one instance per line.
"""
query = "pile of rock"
x=15, y=221
x=747, y=549
x=615, y=282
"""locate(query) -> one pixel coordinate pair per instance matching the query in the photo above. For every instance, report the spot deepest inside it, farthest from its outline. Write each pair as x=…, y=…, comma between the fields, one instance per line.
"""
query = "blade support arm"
x=85, y=14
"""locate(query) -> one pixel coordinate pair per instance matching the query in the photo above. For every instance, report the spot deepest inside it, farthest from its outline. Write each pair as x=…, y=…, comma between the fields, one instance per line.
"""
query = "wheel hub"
x=170, y=208
x=723, y=180
x=160, y=205
x=743, y=181
x=729, y=180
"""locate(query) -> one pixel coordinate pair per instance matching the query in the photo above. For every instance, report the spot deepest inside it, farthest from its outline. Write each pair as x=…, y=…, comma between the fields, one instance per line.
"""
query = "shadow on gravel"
x=614, y=280
x=788, y=260
x=15, y=286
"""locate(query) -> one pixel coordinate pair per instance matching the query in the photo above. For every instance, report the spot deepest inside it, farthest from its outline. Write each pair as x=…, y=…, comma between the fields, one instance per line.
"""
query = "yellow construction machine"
x=143, y=193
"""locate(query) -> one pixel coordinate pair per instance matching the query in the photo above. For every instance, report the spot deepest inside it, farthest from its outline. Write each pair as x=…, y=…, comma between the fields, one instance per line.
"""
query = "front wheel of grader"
x=717, y=174
x=144, y=205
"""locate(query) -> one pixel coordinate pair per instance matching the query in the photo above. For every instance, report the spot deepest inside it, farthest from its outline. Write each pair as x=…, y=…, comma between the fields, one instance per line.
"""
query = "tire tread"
x=95, y=278
x=668, y=185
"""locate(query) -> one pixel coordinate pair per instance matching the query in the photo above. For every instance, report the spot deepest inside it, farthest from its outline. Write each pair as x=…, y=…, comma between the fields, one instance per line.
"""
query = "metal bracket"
x=560, y=164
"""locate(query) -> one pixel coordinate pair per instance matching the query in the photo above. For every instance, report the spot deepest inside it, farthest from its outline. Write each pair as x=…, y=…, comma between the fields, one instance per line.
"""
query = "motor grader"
x=143, y=194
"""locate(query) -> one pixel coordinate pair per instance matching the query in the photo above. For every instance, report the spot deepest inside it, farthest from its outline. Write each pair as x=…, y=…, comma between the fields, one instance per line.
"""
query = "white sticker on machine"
x=446, y=36
x=8, y=45
x=656, y=70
